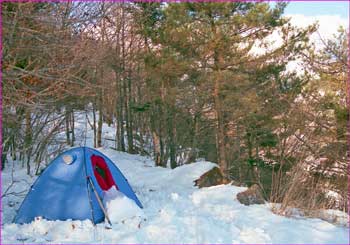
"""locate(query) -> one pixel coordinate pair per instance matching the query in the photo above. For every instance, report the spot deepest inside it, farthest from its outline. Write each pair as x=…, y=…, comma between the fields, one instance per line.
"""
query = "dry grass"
x=305, y=194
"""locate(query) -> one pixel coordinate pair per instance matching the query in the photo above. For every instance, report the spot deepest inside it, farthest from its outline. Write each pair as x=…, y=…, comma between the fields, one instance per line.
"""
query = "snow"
x=119, y=207
x=175, y=211
x=332, y=194
x=336, y=216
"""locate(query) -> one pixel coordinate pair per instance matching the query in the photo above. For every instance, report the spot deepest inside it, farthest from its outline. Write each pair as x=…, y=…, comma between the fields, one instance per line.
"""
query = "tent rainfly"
x=71, y=186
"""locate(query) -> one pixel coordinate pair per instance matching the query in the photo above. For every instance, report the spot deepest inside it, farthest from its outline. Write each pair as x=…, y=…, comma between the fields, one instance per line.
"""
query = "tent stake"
x=99, y=200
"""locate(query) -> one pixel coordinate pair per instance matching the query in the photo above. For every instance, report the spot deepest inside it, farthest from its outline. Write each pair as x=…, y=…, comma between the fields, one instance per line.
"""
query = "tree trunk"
x=122, y=93
x=127, y=119
x=163, y=155
x=100, y=121
x=194, y=131
x=28, y=139
x=156, y=147
x=220, y=131
x=72, y=128
x=118, y=121
x=119, y=139
x=94, y=121
x=121, y=121
x=67, y=127
x=4, y=151
x=130, y=120
x=101, y=89
x=155, y=128
x=13, y=148
x=171, y=135
x=117, y=133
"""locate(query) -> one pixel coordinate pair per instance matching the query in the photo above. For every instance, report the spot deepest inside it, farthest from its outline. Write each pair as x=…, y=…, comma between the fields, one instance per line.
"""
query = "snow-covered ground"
x=174, y=211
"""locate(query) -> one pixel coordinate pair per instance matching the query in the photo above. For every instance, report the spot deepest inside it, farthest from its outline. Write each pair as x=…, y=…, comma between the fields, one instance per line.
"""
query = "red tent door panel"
x=102, y=174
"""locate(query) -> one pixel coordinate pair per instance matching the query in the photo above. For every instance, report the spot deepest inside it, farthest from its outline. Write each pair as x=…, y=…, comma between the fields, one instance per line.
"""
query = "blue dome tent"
x=69, y=188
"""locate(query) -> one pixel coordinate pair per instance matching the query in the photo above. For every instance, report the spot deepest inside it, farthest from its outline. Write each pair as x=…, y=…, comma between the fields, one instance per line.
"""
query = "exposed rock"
x=211, y=178
x=251, y=196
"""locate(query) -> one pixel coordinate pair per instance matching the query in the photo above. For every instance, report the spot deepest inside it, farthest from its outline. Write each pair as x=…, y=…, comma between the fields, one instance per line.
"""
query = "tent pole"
x=88, y=190
x=99, y=200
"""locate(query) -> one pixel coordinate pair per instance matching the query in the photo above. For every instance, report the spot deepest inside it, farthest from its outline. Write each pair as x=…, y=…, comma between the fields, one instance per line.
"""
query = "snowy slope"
x=174, y=212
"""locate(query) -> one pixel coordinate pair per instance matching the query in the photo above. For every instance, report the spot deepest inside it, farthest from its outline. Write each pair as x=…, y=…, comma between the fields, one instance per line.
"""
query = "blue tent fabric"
x=62, y=191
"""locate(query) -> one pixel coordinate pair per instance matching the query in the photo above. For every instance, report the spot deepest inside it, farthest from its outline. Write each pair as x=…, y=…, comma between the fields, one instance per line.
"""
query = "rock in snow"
x=251, y=196
x=211, y=178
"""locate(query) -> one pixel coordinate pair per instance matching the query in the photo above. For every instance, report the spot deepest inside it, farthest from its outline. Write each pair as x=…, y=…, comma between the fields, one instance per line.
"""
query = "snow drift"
x=119, y=207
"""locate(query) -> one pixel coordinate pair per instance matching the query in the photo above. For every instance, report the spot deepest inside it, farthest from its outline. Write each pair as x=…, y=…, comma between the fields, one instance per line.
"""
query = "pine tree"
x=217, y=41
